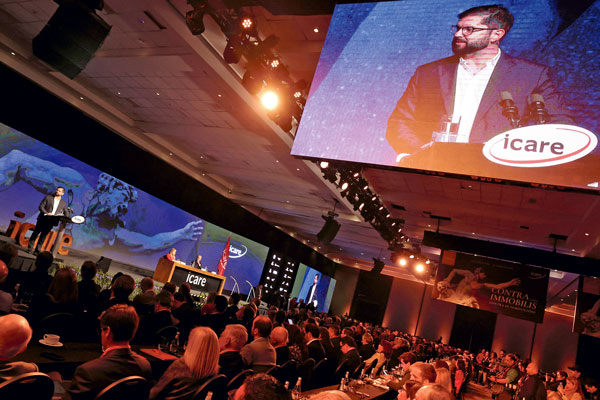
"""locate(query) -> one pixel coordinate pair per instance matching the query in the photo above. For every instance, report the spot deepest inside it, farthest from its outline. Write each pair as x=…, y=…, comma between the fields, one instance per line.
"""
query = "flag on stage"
x=224, y=258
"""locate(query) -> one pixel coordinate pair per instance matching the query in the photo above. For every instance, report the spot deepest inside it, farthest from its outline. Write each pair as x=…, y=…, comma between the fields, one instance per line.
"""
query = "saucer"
x=58, y=344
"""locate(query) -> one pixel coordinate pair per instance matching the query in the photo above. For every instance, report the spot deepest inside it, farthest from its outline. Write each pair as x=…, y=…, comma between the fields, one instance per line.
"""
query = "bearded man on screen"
x=465, y=88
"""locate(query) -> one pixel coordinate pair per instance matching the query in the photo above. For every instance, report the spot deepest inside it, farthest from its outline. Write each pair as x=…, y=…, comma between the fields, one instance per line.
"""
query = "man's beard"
x=468, y=47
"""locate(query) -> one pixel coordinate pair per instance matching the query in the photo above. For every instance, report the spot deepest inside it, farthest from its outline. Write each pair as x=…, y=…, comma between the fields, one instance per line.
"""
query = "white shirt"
x=469, y=91
x=55, y=206
x=312, y=293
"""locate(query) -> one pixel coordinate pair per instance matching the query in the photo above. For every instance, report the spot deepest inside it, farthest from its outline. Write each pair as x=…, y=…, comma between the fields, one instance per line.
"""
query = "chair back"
x=217, y=385
x=277, y=372
x=356, y=373
x=61, y=324
x=371, y=367
x=237, y=380
x=167, y=332
x=290, y=371
x=33, y=385
x=340, y=372
x=305, y=370
x=130, y=387
x=320, y=375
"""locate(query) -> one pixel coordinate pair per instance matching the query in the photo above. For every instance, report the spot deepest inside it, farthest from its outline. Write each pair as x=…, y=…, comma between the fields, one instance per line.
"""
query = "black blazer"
x=352, y=358
x=316, y=351
x=231, y=363
x=93, y=376
x=283, y=354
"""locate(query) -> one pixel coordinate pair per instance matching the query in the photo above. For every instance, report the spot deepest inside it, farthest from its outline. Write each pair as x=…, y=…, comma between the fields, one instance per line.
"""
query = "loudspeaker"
x=377, y=266
x=329, y=230
x=103, y=264
x=70, y=39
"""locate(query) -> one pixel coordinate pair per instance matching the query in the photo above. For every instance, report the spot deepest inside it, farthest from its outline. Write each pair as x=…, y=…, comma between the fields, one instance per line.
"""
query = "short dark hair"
x=8, y=252
x=313, y=329
x=61, y=187
x=408, y=357
x=264, y=387
x=123, y=287
x=336, y=329
x=235, y=298
x=170, y=287
x=497, y=16
x=347, y=340
x=43, y=261
x=221, y=303
x=88, y=270
x=264, y=325
x=122, y=321
x=165, y=299
x=179, y=297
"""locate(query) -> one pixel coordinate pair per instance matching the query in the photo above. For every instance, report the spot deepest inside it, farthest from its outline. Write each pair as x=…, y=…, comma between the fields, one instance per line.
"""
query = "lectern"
x=179, y=273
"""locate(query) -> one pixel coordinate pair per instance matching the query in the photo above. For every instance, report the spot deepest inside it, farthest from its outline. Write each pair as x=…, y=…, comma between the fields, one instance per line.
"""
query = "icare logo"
x=540, y=145
x=237, y=252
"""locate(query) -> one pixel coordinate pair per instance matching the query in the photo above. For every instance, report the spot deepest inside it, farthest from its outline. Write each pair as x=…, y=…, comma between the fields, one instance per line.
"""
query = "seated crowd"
x=222, y=337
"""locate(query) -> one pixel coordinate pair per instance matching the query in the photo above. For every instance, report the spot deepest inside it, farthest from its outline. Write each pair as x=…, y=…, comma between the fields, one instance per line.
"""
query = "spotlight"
x=344, y=186
x=419, y=268
x=323, y=164
x=361, y=206
x=297, y=94
x=247, y=23
x=274, y=63
x=427, y=262
x=411, y=256
x=269, y=99
x=403, y=262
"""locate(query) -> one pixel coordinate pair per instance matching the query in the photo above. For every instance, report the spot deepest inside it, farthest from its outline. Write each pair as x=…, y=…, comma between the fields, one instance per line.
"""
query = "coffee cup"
x=51, y=339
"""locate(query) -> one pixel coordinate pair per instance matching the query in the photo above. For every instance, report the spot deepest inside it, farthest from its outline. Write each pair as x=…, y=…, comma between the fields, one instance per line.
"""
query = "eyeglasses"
x=467, y=30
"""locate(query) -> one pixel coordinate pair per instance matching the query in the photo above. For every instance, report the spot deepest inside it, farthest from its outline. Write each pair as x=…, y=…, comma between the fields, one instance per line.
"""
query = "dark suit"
x=231, y=363
x=308, y=300
x=316, y=351
x=283, y=354
x=532, y=388
x=352, y=360
x=430, y=95
x=45, y=224
x=93, y=376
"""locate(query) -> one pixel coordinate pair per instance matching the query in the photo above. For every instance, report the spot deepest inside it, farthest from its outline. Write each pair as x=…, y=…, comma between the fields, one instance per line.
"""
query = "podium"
x=179, y=273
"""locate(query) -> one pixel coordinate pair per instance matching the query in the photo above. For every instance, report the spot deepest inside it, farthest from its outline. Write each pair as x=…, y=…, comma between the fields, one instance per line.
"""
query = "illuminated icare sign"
x=540, y=145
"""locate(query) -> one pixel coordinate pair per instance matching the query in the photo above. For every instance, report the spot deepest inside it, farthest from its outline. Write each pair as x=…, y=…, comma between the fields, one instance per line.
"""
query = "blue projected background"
x=305, y=279
x=373, y=49
x=122, y=222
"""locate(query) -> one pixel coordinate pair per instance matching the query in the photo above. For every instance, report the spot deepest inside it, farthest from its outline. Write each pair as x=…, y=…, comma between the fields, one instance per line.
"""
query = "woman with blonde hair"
x=571, y=390
x=443, y=378
x=199, y=363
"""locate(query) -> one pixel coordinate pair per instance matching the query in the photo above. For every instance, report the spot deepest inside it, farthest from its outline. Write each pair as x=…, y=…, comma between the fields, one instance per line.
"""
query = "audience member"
x=330, y=395
x=144, y=302
x=233, y=338
x=118, y=326
x=186, y=290
x=15, y=334
x=199, y=363
x=209, y=307
x=433, y=392
x=571, y=390
x=330, y=352
x=422, y=373
x=532, y=387
x=591, y=387
x=315, y=349
x=259, y=354
x=185, y=313
x=36, y=283
x=297, y=344
x=160, y=318
x=6, y=299
x=88, y=290
x=233, y=307
x=169, y=287
x=350, y=355
x=279, y=340
x=367, y=349
x=383, y=353
x=245, y=316
x=443, y=378
x=218, y=319
x=105, y=294
x=61, y=297
x=262, y=387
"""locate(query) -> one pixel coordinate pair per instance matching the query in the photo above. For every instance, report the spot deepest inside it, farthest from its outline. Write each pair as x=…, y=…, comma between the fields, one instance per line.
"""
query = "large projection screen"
x=387, y=80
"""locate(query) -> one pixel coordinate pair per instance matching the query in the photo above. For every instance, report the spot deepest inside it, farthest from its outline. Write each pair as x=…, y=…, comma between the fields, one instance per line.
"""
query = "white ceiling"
x=170, y=92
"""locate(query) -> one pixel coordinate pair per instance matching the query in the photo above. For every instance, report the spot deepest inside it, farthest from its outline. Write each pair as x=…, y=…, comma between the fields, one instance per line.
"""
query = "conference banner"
x=511, y=289
x=587, y=310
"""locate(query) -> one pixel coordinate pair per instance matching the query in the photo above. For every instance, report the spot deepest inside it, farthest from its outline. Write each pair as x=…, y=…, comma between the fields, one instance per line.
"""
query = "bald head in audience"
x=433, y=392
x=15, y=334
x=233, y=338
x=3, y=271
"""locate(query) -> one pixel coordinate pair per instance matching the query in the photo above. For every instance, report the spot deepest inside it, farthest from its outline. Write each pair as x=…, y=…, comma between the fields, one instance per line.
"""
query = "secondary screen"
x=397, y=85
x=122, y=222
x=313, y=287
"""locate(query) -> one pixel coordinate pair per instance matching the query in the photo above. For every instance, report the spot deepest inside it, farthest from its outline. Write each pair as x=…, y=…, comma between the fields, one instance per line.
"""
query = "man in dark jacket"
x=51, y=205
x=532, y=387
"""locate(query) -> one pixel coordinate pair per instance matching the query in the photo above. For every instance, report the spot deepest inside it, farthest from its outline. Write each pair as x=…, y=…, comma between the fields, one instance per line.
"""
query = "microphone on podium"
x=509, y=110
x=537, y=109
